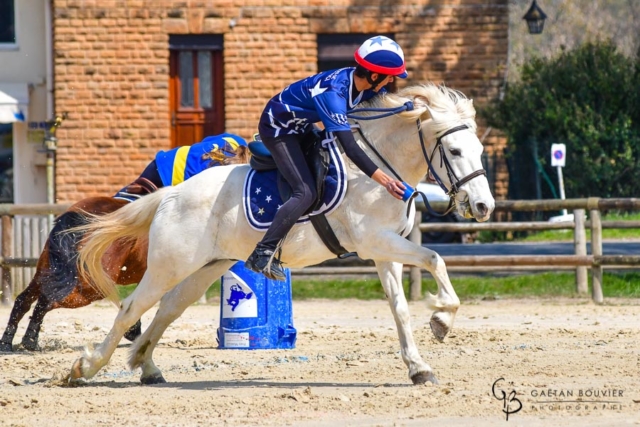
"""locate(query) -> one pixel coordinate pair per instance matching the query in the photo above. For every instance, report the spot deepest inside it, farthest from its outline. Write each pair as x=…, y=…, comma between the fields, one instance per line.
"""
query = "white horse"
x=197, y=230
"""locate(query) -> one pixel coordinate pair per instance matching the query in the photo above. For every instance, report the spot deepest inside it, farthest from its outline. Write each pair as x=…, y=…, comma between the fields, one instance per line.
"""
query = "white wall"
x=26, y=63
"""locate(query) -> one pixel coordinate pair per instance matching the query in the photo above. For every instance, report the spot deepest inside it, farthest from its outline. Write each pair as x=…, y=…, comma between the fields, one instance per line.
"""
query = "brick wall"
x=112, y=74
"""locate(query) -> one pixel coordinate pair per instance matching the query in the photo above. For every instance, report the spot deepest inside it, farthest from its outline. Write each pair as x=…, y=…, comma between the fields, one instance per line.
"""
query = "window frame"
x=196, y=43
x=14, y=45
x=184, y=116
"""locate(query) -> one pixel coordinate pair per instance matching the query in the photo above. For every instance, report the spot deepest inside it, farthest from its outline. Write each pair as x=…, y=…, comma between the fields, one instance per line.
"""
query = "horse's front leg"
x=172, y=305
x=398, y=249
x=391, y=277
x=148, y=292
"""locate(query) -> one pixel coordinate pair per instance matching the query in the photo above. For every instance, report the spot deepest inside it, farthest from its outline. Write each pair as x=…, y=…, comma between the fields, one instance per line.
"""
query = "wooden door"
x=196, y=94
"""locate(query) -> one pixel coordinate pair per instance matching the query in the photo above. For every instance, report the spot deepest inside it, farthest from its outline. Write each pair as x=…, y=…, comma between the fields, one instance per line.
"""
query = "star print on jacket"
x=325, y=97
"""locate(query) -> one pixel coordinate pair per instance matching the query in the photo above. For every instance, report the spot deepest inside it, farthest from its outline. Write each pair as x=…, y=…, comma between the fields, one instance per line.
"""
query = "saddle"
x=316, y=156
x=318, y=159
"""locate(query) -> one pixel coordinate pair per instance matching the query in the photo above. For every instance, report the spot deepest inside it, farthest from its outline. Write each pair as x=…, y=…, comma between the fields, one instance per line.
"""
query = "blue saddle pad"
x=261, y=198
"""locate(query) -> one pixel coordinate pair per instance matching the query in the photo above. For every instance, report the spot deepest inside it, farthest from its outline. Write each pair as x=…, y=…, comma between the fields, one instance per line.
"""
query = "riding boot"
x=264, y=261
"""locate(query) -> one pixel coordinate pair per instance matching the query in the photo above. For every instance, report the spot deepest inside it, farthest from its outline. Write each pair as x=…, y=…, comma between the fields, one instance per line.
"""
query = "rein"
x=407, y=106
x=386, y=112
x=453, y=179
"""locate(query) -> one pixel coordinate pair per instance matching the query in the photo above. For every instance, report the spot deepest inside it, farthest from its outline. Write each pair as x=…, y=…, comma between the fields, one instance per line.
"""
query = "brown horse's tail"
x=128, y=223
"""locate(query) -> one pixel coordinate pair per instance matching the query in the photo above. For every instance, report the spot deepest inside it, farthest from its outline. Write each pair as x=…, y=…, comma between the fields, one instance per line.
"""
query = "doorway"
x=196, y=89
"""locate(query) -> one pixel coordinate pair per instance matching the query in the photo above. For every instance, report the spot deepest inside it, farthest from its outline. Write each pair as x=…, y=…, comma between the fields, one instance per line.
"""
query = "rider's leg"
x=151, y=174
x=148, y=182
x=289, y=157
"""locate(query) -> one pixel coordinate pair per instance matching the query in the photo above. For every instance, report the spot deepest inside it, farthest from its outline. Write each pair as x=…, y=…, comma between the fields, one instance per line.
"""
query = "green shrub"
x=588, y=99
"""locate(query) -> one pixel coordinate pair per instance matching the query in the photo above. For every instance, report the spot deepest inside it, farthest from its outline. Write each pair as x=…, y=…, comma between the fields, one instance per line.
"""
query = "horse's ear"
x=466, y=108
x=434, y=115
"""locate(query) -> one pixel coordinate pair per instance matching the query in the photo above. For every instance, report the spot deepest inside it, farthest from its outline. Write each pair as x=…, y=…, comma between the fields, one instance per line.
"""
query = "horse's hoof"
x=31, y=345
x=439, y=326
x=153, y=379
x=76, y=370
x=6, y=347
x=134, y=332
x=424, y=377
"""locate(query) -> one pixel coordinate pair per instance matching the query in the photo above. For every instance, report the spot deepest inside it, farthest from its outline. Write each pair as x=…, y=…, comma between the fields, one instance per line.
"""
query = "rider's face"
x=383, y=83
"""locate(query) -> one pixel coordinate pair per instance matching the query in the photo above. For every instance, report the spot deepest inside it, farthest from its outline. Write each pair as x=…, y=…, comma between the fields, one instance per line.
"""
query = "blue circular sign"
x=558, y=154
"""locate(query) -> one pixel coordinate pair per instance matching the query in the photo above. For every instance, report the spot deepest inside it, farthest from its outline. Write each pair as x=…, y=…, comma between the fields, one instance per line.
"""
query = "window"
x=336, y=51
x=7, y=22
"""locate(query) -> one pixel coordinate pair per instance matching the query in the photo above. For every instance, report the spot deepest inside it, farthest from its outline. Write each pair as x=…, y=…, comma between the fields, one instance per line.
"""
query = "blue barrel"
x=255, y=312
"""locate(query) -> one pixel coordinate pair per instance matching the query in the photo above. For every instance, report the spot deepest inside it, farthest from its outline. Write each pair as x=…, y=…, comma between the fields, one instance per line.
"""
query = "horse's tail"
x=62, y=275
x=127, y=223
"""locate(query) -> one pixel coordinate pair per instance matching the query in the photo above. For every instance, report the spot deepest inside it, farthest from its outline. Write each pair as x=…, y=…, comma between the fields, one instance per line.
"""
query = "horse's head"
x=453, y=149
x=443, y=128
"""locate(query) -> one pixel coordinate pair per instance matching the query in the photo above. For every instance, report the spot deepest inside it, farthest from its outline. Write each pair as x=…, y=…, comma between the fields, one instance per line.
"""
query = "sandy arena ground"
x=345, y=370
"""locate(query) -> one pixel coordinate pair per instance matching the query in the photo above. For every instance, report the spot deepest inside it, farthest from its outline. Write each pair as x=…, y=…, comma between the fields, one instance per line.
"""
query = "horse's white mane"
x=453, y=105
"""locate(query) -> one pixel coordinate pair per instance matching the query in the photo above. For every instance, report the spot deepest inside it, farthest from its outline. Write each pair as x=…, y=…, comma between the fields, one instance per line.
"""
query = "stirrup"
x=273, y=270
x=264, y=261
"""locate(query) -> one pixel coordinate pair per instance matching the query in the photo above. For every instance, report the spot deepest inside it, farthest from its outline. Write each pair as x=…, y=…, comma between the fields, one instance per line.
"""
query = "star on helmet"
x=377, y=40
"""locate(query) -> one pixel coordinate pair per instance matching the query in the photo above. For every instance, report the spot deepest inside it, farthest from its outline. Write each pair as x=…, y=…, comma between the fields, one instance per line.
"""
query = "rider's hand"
x=394, y=187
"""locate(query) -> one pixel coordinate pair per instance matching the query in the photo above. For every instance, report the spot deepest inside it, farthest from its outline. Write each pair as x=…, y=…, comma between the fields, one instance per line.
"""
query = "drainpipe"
x=48, y=36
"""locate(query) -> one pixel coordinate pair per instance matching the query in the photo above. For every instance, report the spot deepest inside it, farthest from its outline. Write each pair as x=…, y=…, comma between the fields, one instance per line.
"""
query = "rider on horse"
x=179, y=164
x=286, y=123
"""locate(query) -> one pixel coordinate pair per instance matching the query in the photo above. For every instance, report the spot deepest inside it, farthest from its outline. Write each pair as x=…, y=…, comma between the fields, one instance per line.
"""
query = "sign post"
x=558, y=159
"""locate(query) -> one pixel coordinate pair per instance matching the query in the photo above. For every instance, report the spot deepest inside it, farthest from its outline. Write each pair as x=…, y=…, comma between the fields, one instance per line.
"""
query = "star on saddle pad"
x=261, y=198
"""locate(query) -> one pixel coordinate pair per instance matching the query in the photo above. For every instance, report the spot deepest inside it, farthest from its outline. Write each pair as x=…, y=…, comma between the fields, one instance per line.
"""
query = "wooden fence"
x=26, y=227
x=596, y=261
x=580, y=261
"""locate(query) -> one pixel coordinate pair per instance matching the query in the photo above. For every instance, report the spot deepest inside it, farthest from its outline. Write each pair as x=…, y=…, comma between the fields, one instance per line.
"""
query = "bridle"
x=456, y=183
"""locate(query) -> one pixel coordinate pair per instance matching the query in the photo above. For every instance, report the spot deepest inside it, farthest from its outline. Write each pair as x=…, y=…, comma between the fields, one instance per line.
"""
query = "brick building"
x=119, y=65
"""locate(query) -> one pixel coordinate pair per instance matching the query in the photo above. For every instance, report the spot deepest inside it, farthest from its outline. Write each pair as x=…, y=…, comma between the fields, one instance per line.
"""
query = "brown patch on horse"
x=135, y=263
x=119, y=255
x=98, y=205
x=82, y=295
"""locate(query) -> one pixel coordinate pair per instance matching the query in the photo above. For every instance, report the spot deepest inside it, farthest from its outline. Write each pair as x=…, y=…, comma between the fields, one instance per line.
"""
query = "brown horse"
x=56, y=283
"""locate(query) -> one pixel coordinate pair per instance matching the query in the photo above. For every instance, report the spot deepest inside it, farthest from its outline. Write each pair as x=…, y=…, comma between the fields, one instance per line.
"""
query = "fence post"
x=596, y=251
x=415, y=275
x=7, y=232
x=580, y=244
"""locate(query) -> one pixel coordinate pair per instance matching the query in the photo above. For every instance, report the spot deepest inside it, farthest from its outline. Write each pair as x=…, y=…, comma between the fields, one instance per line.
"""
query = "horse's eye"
x=455, y=152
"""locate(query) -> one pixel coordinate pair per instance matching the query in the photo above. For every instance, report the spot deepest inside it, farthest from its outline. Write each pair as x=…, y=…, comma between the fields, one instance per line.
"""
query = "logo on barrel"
x=237, y=294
